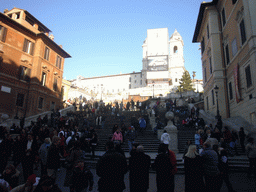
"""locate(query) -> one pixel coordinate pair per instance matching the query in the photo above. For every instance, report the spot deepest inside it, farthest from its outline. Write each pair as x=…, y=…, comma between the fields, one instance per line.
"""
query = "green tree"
x=185, y=83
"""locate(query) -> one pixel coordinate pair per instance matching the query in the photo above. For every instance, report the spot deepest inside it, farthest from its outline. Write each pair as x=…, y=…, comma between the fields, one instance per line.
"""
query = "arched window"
x=175, y=49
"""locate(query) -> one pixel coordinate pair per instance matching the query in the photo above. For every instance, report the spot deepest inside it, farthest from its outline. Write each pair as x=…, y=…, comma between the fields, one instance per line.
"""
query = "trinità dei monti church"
x=162, y=68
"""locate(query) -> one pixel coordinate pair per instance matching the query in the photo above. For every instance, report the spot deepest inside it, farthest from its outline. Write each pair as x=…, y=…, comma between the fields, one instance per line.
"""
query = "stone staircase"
x=147, y=139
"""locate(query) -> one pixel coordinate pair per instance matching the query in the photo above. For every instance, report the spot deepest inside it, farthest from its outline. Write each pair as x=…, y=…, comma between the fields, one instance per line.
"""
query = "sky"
x=105, y=37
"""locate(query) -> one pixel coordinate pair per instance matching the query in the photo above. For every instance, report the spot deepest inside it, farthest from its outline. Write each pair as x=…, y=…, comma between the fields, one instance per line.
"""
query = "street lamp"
x=153, y=88
x=197, y=85
x=101, y=92
x=216, y=88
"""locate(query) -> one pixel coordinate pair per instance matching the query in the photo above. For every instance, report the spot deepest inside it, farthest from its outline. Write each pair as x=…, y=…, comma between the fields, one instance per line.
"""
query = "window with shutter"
x=20, y=100
x=28, y=47
x=3, y=32
x=248, y=76
x=24, y=73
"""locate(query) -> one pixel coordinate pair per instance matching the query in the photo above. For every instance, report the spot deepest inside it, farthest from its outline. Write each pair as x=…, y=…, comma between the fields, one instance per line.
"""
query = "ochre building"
x=31, y=65
x=226, y=30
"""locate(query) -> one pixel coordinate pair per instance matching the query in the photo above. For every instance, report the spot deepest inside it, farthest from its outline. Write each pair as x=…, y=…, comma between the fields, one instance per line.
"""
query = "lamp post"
x=153, y=88
x=216, y=88
x=101, y=92
x=197, y=85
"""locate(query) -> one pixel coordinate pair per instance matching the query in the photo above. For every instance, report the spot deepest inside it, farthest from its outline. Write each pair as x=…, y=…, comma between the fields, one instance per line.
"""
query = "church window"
x=175, y=49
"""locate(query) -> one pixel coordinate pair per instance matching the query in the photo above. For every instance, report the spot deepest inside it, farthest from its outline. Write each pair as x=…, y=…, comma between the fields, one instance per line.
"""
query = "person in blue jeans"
x=131, y=136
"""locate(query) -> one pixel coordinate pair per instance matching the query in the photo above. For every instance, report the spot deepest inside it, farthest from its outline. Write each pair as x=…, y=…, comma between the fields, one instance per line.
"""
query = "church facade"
x=162, y=68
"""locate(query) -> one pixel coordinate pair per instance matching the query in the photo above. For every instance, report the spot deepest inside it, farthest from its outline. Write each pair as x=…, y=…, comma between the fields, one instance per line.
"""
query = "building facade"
x=31, y=65
x=162, y=68
x=226, y=30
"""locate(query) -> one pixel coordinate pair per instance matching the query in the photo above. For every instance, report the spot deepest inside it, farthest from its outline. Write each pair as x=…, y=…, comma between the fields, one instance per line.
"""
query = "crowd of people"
x=63, y=141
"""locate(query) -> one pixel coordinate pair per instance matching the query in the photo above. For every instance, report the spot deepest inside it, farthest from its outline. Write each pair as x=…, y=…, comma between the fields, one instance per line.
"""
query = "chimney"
x=6, y=10
x=60, y=46
x=51, y=37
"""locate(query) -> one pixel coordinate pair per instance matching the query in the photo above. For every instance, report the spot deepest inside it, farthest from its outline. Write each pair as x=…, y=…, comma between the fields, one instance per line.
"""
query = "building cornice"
x=200, y=18
x=20, y=27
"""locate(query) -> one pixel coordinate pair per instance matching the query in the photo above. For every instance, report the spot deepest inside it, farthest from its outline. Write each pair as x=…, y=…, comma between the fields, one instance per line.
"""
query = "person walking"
x=139, y=164
x=82, y=177
x=117, y=136
x=111, y=168
x=43, y=152
x=211, y=170
x=251, y=154
x=165, y=138
x=53, y=157
x=131, y=136
x=193, y=170
x=164, y=170
x=143, y=124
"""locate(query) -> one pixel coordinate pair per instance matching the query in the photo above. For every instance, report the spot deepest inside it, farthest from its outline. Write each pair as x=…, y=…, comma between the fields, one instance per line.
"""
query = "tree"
x=185, y=83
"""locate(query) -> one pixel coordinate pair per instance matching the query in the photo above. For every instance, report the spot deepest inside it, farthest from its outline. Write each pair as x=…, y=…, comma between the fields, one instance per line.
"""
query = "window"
x=24, y=73
x=43, y=81
x=55, y=84
x=223, y=15
x=135, y=81
x=52, y=105
x=234, y=1
x=176, y=80
x=141, y=82
x=46, y=53
x=205, y=75
x=3, y=32
x=213, y=101
x=207, y=103
x=20, y=100
x=141, y=75
x=175, y=49
x=248, y=76
x=227, y=54
x=130, y=79
x=242, y=32
x=234, y=47
x=210, y=63
x=202, y=45
x=230, y=91
x=40, y=102
x=58, y=62
x=208, y=34
x=28, y=47
x=130, y=86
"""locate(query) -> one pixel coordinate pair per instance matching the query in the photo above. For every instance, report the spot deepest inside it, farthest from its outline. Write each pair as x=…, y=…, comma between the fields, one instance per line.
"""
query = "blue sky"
x=105, y=37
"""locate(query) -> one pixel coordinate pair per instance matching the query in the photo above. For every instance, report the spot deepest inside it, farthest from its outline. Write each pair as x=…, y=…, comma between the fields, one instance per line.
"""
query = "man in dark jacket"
x=53, y=157
x=139, y=164
x=111, y=168
x=29, y=154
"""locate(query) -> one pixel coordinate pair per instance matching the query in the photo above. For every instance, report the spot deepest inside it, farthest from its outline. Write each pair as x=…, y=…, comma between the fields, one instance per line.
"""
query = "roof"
x=42, y=35
x=200, y=18
x=84, y=78
x=31, y=16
